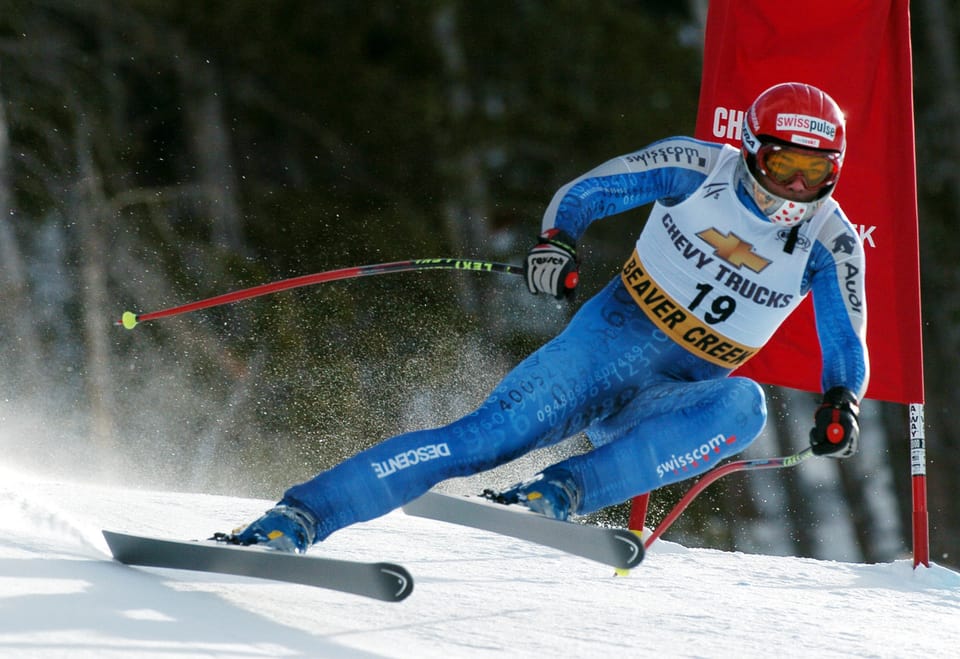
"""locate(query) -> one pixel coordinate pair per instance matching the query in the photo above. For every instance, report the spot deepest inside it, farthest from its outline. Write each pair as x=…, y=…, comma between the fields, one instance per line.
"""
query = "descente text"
x=410, y=458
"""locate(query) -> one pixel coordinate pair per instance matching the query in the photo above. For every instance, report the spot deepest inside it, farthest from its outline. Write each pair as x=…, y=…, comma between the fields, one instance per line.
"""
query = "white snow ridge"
x=476, y=594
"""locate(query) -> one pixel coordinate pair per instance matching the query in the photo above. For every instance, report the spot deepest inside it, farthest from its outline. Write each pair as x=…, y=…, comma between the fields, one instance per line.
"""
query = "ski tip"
x=400, y=579
x=632, y=548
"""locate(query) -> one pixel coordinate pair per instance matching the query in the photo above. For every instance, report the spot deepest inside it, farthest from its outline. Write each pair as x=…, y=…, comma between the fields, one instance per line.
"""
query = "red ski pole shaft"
x=718, y=473
x=130, y=320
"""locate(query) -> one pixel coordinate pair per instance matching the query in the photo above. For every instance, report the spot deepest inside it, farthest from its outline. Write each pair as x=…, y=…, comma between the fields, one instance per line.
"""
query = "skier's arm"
x=839, y=300
x=668, y=170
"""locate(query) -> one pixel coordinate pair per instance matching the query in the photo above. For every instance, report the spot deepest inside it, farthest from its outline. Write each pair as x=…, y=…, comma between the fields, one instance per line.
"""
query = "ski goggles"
x=783, y=164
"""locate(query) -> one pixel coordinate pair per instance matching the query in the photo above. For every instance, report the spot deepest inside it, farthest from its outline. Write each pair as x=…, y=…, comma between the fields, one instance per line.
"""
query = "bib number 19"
x=720, y=309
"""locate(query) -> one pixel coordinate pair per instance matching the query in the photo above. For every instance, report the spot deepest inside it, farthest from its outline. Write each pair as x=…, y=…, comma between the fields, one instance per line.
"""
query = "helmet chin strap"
x=777, y=209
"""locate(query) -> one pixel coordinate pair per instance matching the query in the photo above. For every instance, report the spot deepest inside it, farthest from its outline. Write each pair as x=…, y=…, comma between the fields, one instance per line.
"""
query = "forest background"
x=155, y=153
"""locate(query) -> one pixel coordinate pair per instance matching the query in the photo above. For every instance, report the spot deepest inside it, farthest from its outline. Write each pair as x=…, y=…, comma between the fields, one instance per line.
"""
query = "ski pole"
x=129, y=320
x=720, y=472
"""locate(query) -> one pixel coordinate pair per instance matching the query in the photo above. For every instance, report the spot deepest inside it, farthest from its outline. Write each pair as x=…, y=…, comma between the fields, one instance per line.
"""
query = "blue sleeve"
x=667, y=171
x=837, y=282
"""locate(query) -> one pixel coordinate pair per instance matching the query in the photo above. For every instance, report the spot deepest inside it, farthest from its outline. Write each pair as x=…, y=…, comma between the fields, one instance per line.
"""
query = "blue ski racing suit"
x=644, y=367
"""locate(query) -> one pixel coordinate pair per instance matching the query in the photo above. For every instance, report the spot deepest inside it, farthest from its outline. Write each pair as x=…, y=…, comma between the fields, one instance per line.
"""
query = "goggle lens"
x=783, y=164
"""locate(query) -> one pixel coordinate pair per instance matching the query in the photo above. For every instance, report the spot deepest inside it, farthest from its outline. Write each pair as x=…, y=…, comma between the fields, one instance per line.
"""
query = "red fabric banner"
x=858, y=51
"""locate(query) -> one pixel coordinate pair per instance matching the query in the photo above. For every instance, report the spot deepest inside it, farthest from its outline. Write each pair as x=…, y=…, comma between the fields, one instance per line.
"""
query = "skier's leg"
x=554, y=393
x=672, y=432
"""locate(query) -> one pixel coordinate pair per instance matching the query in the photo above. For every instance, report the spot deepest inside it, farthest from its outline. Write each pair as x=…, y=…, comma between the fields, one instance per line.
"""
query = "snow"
x=476, y=594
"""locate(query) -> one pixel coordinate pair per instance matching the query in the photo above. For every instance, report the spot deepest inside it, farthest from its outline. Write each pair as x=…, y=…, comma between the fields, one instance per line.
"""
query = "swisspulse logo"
x=732, y=249
x=807, y=124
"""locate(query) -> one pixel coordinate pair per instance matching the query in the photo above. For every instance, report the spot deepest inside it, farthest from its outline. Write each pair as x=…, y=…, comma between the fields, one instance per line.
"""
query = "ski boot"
x=284, y=528
x=551, y=493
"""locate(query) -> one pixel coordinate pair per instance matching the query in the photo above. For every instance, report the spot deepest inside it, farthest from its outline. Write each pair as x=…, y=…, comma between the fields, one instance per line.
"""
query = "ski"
x=618, y=548
x=382, y=581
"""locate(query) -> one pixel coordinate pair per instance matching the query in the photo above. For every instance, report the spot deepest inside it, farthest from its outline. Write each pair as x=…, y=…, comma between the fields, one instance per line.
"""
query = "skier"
x=734, y=242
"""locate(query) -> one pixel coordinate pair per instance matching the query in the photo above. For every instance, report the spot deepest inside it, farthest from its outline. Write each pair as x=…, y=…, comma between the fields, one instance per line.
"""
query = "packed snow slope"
x=476, y=594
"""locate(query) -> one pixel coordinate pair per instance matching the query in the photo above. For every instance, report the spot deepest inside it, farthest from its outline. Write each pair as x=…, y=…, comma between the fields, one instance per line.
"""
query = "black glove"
x=552, y=266
x=836, y=430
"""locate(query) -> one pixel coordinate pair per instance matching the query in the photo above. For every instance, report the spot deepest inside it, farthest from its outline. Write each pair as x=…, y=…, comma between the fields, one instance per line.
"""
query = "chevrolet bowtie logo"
x=734, y=251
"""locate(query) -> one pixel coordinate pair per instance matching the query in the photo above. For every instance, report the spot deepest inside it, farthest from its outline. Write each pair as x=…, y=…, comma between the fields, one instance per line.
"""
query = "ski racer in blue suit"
x=735, y=240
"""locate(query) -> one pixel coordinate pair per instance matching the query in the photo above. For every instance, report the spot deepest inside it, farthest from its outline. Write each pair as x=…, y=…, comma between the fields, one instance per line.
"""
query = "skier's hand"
x=552, y=266
x=836, y=429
